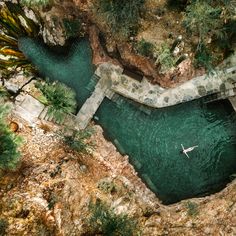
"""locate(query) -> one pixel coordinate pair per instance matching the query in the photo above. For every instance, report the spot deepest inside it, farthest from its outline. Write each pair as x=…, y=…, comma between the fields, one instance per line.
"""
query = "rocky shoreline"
x=55, y=185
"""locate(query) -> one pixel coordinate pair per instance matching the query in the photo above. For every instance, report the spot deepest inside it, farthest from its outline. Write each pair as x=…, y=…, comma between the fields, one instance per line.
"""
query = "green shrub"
x=59, y=98
x=3, y=92
x=104, y=221
x=78, y=141
x=9, y=143
x=192, y=208
x=3, y=227
x=145, y=48
x=202, y=19
x=203, y=58
x=165, y=58
x=30, y=3
x=72, y=27
x=107, y=186
x=122, y=15
x=213, y=23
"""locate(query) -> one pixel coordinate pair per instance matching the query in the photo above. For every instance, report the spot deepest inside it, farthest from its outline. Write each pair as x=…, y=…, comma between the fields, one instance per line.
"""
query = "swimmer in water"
x=185, y=151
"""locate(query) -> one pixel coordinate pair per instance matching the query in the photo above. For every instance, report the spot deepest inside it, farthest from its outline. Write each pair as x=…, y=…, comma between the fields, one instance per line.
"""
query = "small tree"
x=9, y=143
x=59, y=98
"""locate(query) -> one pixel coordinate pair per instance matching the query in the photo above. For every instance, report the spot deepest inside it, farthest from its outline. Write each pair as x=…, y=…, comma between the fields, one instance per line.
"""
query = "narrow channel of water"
x=153, y=137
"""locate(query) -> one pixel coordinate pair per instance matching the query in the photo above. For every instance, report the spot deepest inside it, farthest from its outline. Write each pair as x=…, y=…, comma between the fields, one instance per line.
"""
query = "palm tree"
x=14, y=24
x=60, y=99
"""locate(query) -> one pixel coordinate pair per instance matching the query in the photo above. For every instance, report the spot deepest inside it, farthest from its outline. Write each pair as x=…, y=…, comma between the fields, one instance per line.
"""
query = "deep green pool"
x=152, y=137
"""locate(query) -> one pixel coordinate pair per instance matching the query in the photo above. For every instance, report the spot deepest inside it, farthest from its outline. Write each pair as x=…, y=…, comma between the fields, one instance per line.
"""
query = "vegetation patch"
x=209, y=21
x=59, y=98
x=79, y=140
x=72, y=27
x=145, y=48
x=3, y=227
x=165, y=58
x=9, y=143
x=192, y=208
x=14, y=24
x=107, y=186
x=31, y=3
x=122, y=15
x=104, y=221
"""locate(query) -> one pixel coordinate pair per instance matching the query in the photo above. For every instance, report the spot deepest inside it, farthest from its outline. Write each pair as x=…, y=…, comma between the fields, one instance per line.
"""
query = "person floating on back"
x=185, y=151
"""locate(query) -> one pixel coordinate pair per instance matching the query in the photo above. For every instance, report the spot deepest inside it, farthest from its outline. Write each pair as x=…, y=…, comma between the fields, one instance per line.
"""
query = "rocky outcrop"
x=136, y=61
x=52, y=17
x=99, y=54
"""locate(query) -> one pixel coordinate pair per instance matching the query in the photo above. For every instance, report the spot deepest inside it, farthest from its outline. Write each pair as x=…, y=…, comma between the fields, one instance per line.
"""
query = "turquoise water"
x=152, y=137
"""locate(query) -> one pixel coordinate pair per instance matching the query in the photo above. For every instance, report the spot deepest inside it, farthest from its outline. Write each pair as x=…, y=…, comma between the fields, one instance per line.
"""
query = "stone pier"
x=89, y=108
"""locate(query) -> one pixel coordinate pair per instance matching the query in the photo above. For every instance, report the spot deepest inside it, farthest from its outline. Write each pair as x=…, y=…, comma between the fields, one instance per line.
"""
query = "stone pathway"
x=29, y=109
x=89, y=108
x=157, y=97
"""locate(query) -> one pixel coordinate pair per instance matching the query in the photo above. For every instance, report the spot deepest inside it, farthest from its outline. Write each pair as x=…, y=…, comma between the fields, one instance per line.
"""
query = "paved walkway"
x=112, y=80
x=157, y=97
x=89, y=108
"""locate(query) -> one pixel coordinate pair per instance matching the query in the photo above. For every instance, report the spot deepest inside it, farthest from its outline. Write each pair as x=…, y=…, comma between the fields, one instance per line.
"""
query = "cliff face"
x=153, y=29
x=50, y=193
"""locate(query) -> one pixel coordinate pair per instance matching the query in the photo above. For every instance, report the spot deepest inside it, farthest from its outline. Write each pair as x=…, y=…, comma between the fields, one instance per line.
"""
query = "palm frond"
x=13, y=25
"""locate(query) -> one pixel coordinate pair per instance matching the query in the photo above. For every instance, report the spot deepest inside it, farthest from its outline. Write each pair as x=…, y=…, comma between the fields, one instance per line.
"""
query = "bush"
x=3, y=92
x=122, y=15
x=72, y=27
x=203, y=20
x=9, y=143
x=3, y=227
x=107, y=186
x=203, y=57
x=78, y=141
x=165, y=58
x=59, y=98
x=104, y=221
x=212, y=21
x=145, y=48
x=192, y=208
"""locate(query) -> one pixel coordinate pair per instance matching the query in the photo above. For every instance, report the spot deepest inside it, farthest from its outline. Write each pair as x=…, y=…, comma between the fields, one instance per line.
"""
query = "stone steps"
x=29, y=109
x=220, y=96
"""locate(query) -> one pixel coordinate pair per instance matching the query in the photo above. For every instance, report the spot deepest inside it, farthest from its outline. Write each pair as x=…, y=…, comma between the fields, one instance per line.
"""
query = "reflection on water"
x=153, y=137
